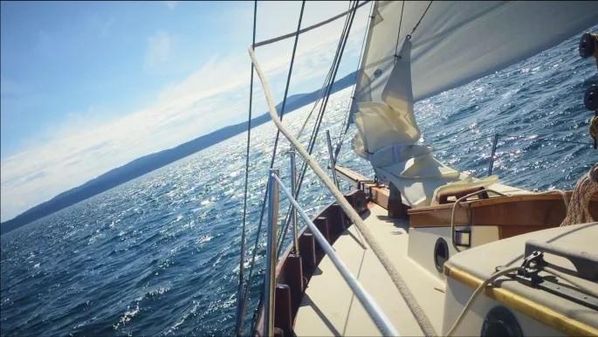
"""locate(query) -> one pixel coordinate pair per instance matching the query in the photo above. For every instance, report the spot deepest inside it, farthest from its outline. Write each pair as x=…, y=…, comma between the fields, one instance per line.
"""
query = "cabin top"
x=569, y=250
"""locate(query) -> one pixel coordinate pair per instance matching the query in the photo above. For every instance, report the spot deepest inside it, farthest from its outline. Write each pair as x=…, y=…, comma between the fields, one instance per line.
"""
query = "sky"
x=89, y=86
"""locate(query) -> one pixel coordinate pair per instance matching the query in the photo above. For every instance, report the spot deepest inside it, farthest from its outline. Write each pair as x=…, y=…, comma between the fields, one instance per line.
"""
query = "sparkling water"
x=159, y=254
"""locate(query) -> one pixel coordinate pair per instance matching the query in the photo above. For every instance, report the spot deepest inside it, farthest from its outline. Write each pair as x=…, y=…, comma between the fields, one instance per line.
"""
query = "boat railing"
x=275, y=185
x=509, y=137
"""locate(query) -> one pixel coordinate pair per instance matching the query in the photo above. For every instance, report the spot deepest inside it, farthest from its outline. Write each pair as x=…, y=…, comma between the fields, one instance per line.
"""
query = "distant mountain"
x=148, y=163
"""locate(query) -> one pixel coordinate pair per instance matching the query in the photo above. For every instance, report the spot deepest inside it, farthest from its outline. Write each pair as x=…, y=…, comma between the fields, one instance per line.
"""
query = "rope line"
x=420, y=20
x=326, y=82
x=335, y=66
x=258, y=307
x=399, y=33
x=306, y=29
x=475, y=294
x=346, y=122
x=240, y=290
x=585, y=189
x=384, y=259
x=505, y=272
x=286, y=88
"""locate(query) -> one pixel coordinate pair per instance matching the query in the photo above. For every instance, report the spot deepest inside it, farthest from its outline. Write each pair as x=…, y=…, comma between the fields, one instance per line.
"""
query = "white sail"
x=450, y=44
x=457, y=42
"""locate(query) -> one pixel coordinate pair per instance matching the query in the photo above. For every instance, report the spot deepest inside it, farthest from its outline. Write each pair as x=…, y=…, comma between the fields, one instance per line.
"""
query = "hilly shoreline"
x=154, y=161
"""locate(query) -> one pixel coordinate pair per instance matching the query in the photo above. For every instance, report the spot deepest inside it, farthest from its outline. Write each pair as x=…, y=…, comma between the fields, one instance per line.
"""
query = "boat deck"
x=329, y=308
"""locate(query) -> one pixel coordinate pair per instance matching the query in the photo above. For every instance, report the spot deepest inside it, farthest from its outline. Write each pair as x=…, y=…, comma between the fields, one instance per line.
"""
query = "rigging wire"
x=261, y=217
x=420, y=20
x=327, y=78
x=327, y=87
x=321, y=92
x=307, y=29
x=311, y=145
x=330, y=80
x=385, y=260
x=399, y=33
x=240, y=291
x=272, y=159
x=316, y=104
x=286, y=89
x=336, y=65
x=346, y=122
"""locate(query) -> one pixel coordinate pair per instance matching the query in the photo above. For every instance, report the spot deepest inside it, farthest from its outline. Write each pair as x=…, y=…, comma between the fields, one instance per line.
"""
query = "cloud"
x=211, y=97
x=105, y=28
x=171, y=4
x=159, y=49
x=82, y=150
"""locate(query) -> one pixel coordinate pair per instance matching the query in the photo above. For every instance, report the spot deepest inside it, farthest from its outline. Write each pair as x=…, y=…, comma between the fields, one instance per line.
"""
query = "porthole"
x=441, y=253
x=500, y=321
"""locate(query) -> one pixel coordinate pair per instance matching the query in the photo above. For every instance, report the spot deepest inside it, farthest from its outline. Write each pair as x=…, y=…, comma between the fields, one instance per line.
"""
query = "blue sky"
x=86, y=86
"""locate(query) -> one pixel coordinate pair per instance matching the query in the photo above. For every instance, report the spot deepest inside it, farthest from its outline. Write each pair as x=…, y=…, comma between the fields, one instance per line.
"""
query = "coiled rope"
x=579, y=205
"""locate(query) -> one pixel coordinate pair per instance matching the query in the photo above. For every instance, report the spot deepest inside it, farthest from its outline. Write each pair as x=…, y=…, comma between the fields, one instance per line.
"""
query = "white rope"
x=475, y=294
x=418, y=313
x=500, y=273
x=579, y=205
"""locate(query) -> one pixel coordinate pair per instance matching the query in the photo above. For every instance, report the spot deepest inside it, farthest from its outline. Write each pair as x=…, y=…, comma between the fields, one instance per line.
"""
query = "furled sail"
x=416, y=49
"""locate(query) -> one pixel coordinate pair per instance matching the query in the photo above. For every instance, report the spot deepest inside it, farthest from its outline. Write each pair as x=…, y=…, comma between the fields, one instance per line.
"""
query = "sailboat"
x=418, y=247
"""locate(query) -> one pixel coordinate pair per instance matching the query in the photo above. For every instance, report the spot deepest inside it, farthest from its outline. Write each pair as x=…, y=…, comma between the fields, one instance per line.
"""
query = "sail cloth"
x=453, y=43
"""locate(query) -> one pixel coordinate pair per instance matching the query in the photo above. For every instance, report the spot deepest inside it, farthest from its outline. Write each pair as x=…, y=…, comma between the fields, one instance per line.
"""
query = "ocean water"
x=159, y=255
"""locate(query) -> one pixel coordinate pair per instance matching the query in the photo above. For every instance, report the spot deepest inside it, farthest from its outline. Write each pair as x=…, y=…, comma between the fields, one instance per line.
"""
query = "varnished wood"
x=512, y=215
x=283, y=319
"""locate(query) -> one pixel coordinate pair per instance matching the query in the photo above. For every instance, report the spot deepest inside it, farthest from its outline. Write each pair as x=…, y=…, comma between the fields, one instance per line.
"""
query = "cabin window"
x=441, y=253
x=500, y=321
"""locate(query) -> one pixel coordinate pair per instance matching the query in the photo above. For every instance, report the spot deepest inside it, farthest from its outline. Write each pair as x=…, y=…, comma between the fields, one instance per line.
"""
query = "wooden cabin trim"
x=513, y=215
x=539, y=312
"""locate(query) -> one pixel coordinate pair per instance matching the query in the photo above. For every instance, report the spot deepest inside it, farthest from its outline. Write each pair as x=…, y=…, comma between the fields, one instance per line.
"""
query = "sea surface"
x=158, y=256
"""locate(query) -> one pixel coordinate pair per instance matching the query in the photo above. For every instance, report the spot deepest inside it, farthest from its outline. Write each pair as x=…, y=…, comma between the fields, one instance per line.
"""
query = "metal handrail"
x=331, y=158
x=508, y=137
x=271, y=255
x=293, y=210
x=374, y=311
x=492, y=154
